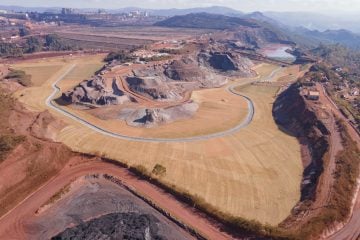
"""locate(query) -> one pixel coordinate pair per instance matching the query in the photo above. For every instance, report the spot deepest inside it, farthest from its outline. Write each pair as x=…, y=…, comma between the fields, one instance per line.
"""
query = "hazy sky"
x=323, y=6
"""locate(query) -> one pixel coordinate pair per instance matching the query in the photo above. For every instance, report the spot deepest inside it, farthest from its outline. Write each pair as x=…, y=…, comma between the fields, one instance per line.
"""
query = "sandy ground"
x=93, y=197
x=255, y=173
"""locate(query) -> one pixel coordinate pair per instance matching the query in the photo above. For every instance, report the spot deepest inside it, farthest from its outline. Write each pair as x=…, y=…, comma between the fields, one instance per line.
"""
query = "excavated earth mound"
x=226, y=63
x=189, y=70
x=45, y=126
x=169, y=83
x=98, y=91
x=155, y=117
x=154, y=87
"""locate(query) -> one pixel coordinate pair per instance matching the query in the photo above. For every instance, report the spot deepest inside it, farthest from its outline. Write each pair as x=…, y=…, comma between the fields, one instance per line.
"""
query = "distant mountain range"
x=316, y=21
x=304, y=26
x=278, y=31
x=213, y=10
x=344, y=37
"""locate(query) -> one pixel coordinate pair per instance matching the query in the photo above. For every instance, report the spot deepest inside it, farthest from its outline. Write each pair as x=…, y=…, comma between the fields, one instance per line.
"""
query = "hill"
x=342, y=36
x=316, y=21
x=247, y=31
x=212, y=10
x=207, y=21
x=338, y=55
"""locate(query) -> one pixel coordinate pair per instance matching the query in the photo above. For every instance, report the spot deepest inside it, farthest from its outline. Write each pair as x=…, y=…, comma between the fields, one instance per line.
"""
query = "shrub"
x=120, y=56
x=8, y=143
x=140, y=170
x=23, y=32
x=159, y=170
x=23, y=78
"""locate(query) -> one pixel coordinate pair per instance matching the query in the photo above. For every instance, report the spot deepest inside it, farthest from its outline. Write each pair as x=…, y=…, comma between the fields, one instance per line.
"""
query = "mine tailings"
x=295, y=117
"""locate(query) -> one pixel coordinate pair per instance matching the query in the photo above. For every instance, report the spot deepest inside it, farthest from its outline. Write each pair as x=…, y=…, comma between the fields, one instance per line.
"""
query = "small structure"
x=308, y=83
x=313, y=95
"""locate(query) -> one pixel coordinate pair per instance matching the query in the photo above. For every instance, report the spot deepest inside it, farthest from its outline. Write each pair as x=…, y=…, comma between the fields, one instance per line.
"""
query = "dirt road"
x=351, y=230
x=98, y=129
x=12, y=225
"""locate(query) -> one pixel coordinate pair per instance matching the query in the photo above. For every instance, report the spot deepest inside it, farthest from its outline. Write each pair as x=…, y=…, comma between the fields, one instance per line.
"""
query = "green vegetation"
x=207, y=21
x=140, y=170
x=32, y=45
x=347, y=170
x=23, y=78
x=338, y=55
x=35, y=44
x=156, y=58
x=23, y=32
x=120, y=56
x=170, y=51
x=54, y=43
x=10, y=50
x=159, y=170
x=337, y=80
x=8, y=143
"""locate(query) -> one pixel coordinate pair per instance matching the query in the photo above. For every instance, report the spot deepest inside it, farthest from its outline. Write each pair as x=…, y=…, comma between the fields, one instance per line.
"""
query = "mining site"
x=181, y=123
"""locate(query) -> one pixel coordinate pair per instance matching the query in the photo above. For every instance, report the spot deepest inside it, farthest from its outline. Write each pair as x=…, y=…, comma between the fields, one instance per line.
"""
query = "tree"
x=23, y=32
x=54, y=43
x=32, y=45
x=10, y=50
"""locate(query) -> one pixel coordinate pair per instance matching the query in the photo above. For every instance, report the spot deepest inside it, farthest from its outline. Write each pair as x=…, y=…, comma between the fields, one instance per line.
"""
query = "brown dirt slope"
x=28, y=160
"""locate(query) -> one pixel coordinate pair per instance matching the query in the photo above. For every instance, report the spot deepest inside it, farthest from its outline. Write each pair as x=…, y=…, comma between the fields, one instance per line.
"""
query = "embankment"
x=295, y=116
x=330, y=172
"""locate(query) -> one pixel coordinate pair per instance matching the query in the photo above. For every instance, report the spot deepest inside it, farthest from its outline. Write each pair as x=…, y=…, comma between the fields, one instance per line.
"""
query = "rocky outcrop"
x=154, y=87
x=295, y=116
x=97, y=91
x=148, y=118
x=189, y=69
x=226, y=63
x=222, y=62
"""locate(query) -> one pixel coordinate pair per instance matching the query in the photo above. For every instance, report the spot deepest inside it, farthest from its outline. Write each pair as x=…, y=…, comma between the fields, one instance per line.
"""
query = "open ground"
x=254, y=173
x=97, y=197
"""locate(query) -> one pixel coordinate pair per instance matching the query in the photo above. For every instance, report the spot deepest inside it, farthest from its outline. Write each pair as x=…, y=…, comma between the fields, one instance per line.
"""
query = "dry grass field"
x=255, y=173
x=104, y=38
x=40, y=74
x=147, y=33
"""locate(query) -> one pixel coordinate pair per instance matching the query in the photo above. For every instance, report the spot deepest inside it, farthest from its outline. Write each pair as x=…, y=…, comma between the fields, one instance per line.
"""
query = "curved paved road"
x=231, y=89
